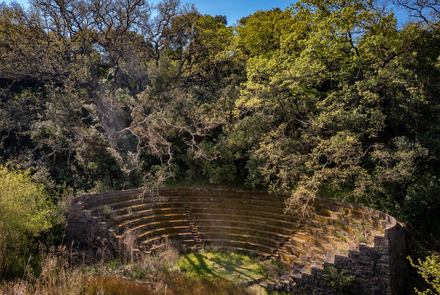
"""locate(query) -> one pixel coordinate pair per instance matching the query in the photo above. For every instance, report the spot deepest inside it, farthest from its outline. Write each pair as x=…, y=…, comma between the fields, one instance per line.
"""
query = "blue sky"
x=236, y=9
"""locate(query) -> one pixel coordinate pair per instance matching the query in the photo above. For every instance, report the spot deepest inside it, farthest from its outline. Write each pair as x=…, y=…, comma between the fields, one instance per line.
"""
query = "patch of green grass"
x=226, y=265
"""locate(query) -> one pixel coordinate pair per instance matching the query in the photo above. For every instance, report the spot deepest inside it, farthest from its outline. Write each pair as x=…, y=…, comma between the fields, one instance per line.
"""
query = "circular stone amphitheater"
x=369, y=244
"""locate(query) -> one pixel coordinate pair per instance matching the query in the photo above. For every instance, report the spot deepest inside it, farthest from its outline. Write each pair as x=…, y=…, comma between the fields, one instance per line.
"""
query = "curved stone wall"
x=253, y=222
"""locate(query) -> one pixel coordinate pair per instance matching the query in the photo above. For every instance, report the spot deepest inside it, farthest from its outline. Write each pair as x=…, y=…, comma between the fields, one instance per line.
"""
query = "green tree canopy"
x=341, y=105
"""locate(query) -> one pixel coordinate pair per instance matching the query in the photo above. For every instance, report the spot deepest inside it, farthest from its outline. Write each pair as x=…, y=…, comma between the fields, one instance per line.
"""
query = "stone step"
x=322, y=238
x=304, y=238
x=342, y=224
x=240, y=206
x=239, y=237
x=280, y=237
x=298, y=251
x=144, y=221
x=179, y=238
x=144, y=203
x=148, y=224
x=289, y=259
x=264, y=255
x=251, y=221
x=119, y=202
x=221, y=195
x=280, y=217
x=177, y=231
x=224, y=199
x=240, y=245
x=130, y=221
x=304, y=246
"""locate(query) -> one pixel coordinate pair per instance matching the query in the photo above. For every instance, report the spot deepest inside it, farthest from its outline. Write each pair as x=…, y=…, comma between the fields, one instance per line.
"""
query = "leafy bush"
x=25, y=212
x=338, y=280
x=430, y=271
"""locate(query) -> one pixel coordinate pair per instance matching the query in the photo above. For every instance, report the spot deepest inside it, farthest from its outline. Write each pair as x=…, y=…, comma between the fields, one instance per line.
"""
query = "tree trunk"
x=106, y=116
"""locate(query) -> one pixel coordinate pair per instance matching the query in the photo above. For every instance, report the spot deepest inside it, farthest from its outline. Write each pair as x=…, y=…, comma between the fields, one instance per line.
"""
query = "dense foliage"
x=25, y=212
x=325, y=98
x=430, y=271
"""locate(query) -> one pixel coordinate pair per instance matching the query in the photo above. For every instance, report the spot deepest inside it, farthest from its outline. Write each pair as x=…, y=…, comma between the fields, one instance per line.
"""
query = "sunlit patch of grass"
x=227, y=265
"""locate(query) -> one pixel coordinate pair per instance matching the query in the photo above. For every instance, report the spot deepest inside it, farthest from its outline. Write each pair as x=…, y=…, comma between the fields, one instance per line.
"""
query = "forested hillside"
x=325, y=98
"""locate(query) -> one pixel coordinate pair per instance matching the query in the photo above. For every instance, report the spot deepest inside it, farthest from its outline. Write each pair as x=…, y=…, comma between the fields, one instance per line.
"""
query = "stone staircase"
x=192, y=225
x=252, y=222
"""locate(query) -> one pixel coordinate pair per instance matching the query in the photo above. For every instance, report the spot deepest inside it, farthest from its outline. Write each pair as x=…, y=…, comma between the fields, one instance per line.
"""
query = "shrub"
x=25, y=212
x=338, y=280
x=430, y=271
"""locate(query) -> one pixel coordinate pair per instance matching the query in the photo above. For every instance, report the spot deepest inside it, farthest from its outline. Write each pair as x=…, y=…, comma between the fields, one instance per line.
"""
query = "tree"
x=111, y=76
x=426, y=12
x=262, y=31
x=90, y=46
x=340, y=107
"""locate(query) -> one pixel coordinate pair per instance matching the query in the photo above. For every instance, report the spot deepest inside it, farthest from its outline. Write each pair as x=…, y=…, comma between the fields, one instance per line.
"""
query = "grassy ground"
x=227, y=265
x=232, y=267
x=207, y=273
